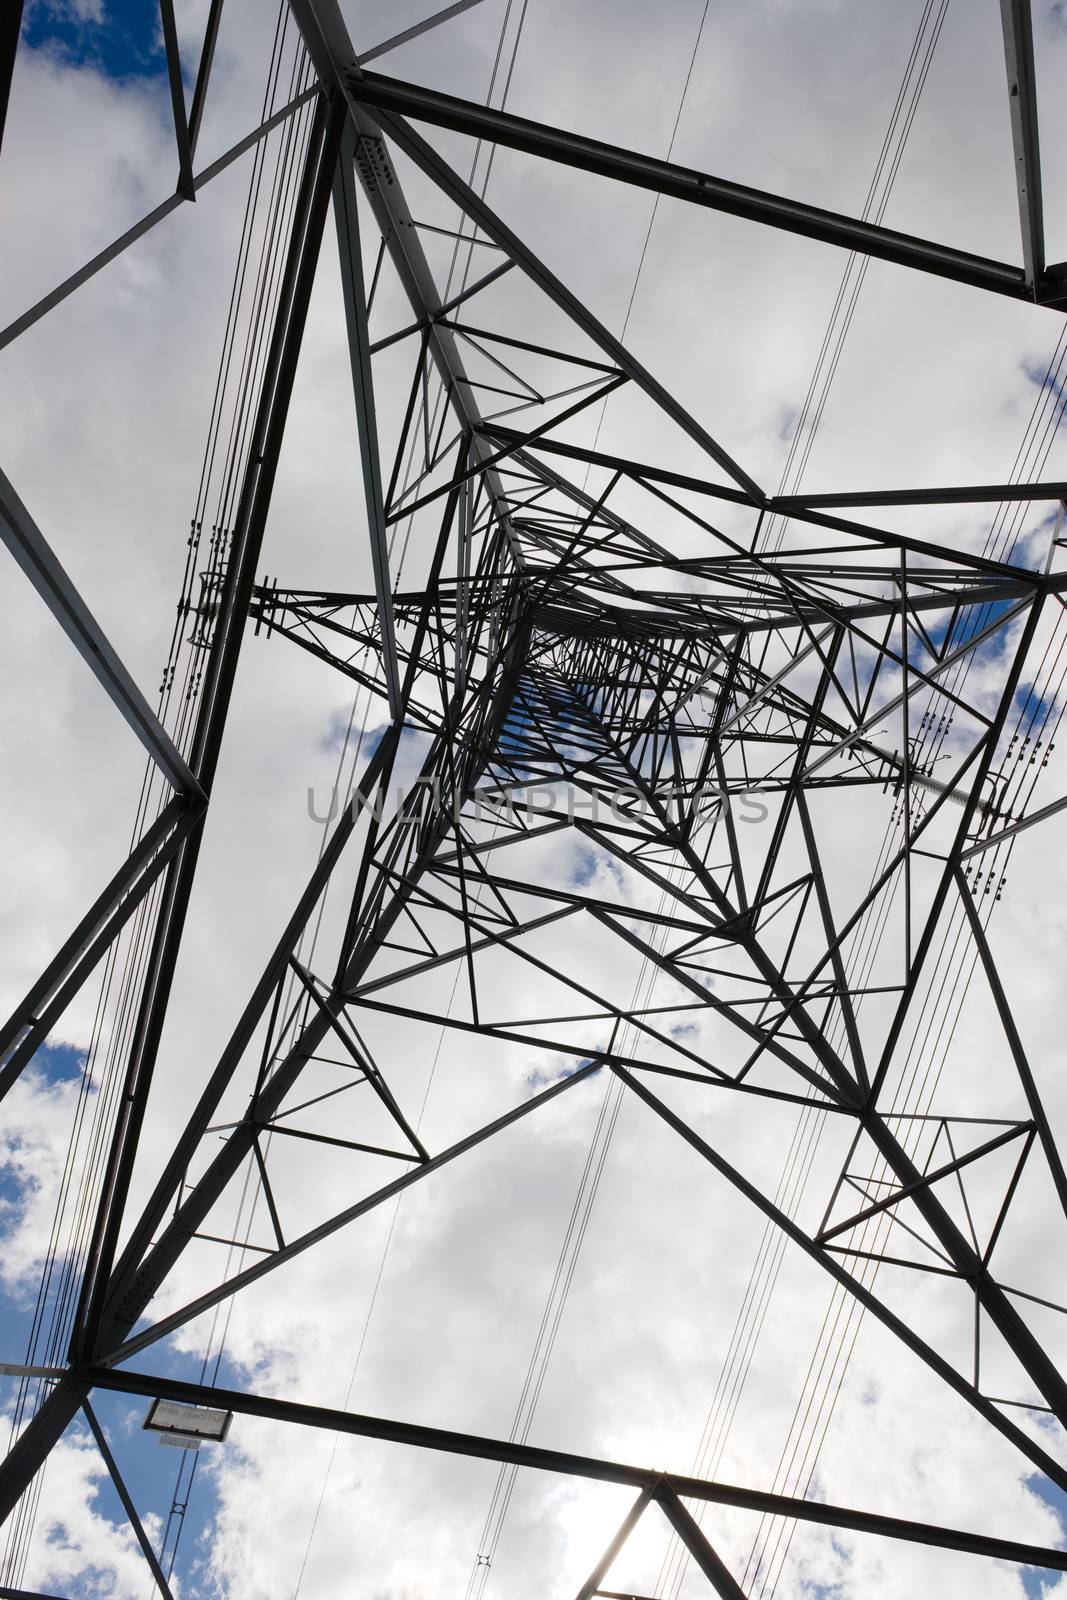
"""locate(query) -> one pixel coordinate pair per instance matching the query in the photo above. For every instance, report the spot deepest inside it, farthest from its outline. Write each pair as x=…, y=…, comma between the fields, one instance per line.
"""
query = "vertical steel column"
x=1022, y=102
x=47, y=1426
x=10, y=28
x=240, y=576
x=346, y=216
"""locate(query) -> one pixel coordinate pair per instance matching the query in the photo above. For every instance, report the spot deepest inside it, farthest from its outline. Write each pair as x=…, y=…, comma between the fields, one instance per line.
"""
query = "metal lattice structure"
x=648, y=658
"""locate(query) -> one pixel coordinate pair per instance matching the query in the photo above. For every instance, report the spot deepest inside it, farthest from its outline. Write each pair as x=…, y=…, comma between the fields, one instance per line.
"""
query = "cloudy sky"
x=682, y=1337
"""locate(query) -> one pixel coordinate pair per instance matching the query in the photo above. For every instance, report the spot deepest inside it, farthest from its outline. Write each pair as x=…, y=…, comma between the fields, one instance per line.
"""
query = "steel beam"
x=249, y=524
x=417, y=29
x=33, y=1019
x=565, y=1463
x=837, y=1081
x=127, y=1502
x=7, y=1593
x=10, y=29
x=96, y=264
x=346, y=216
x=646, y=474
x=330, y=48
x=692, y=1536
x=140, y=1285
x=394, y=99
x=591, y=1586
x=186, y=185
x=955, y=495
x=128, y=1265
x=1042, y=814
x=42, y=567
x=1022, y=101
x=566, y=669
x=203, y=75
x=474, y=207
x=141, y=1269
x=1014, y=1041
x=947, y=1373
x=40, y=1436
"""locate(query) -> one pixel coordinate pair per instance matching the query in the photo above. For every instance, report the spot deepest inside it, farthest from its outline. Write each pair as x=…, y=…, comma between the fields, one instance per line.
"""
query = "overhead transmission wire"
x=622, y=1041
x=187, y=629
x=950, y=975
x=125, y=960
x=440, y=404
x=950, y=985
x=603, y=1133
x=382, y=1262
x=1042, y=704
x=187, y=696
x=241, y=371
x=322, y=903
x=556, y=1299
x=962, y=981
x=383, y=1259
x=857, y=264
x=99, y=1108
x=651, y=222
x=251, y=1193
x=233, y=451
x=503, y=1496
x=807, y=1134
x=600, y=1143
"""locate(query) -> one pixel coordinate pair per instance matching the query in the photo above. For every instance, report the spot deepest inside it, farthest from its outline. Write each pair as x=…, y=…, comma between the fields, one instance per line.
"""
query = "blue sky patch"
x=1036, y=1579
x=585, y=866
x=539, y=1079
x=58, y=1063
x=155, y=1475
x=126, y=42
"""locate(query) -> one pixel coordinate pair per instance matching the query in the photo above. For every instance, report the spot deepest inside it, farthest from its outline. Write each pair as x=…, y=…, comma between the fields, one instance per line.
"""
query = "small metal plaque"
x=199, y=1423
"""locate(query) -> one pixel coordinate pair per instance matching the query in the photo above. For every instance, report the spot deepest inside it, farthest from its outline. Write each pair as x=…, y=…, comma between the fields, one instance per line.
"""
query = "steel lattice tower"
x=590, y=645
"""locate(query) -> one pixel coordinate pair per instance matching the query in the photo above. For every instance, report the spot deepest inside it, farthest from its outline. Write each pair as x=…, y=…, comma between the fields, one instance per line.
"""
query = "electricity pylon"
x=592, y=648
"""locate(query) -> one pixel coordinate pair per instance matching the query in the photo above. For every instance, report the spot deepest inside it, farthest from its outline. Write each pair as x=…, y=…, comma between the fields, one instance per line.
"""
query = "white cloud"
x=33, y=1147
x=78, y=1548
x=115, y=388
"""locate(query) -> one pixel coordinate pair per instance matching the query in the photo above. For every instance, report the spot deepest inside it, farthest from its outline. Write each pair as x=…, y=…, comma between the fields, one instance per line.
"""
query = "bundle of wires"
x=432, y=408
x=1039, y=710
x=801, y=1155
x=276, y=165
